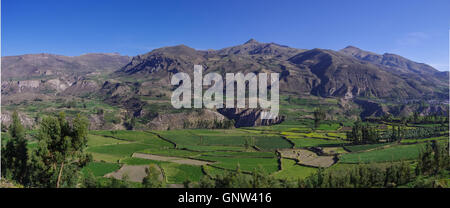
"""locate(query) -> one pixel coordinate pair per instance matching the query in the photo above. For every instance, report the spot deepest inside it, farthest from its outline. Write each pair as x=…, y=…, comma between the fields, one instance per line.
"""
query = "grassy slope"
x=291, y=170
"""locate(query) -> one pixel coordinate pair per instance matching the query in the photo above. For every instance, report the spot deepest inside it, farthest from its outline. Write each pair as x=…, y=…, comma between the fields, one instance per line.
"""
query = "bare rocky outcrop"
x=248, y=117
x=11, y=87
x=194, y=119
x=371, y=108
x=376, y=109
x=82, y=87
x=27, y=121
x=58, y=85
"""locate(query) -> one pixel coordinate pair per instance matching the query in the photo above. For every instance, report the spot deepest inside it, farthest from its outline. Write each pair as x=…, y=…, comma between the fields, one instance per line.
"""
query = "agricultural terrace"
x=292, y=150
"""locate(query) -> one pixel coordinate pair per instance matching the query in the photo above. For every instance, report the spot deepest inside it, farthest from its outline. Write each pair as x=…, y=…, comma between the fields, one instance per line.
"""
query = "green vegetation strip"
x=100, y=168
x=365, y=147
x=394, y=153
x=269, y=165
x=291, y=170
x=301, y=142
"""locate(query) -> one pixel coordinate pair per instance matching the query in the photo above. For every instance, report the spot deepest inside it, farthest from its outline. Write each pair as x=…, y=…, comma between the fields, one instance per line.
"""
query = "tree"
x=89, y=180
x=60, y=154
x=246, y=144
x=261, y=179
x=130, y=123
x=206, y=182
x=363, y=133
x=152, y=179
x=116, y=183
x=100, y=111
x=425, y=163
x=319, y=115
x=187, y=183
x=416, y=117
x=15, y=153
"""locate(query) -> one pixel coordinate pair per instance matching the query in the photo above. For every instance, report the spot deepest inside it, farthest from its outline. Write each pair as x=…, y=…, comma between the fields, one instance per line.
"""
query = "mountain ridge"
x=139, y=86
x=349, y=72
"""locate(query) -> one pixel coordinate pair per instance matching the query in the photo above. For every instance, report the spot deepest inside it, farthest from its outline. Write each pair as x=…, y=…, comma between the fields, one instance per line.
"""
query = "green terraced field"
x=136, y=136
x=394, y=153
x=365, y=147
x=179, y=173
x=269, y=165
x=291, y=170
x=96, y=140
x=249, y=149
x=272, y=142
x=141, y=161
x=412, y=141
x=204, y=148
x=213, y=171
x=204, y=140
x=175, y=173
x=331, y=127
x=171, y=152
x=120, y=150
x=308, y=142
x=241, y=154
x=100, y=168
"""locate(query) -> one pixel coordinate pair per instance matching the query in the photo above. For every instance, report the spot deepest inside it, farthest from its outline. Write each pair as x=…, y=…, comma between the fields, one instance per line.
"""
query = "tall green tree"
x=14, y=154
x=319, y=115
x=363, y=133
x=152, y=179
x=425, y=163
x=60, y=153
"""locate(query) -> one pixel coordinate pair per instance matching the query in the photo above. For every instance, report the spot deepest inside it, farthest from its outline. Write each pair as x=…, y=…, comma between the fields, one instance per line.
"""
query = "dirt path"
x=178, y=160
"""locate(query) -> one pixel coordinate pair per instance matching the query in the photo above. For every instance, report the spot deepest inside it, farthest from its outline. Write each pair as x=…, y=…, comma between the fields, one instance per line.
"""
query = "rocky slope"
x=25, y=67
x=140, y=86
x=349, y=73
x=418, y=75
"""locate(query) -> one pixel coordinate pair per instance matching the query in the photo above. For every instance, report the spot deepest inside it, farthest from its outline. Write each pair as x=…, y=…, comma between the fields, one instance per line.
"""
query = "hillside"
x=417, y=75
x=349, y=73
x=43, y=65
x=111, y=89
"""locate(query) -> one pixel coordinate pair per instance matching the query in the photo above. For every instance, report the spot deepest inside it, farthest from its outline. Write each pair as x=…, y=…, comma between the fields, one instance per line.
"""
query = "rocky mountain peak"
x=251, y=41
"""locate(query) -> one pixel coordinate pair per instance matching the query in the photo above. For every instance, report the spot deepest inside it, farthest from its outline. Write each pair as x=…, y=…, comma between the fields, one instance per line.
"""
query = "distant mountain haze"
x=36, y=65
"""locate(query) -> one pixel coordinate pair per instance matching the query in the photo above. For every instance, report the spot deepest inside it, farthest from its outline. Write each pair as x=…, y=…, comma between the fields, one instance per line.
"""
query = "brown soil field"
x=345, y=128
x=136, y=173
x=333, y=150
x=307, y=158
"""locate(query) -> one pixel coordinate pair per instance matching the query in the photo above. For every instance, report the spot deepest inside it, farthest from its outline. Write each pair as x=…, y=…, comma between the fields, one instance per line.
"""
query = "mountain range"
x=348, y=74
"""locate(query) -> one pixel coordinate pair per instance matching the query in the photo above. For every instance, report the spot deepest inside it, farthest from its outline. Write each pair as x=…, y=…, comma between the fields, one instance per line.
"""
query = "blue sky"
x=416, y=29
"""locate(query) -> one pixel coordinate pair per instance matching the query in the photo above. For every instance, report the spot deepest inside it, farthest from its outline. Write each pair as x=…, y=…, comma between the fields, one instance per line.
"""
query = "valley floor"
x=284, y=151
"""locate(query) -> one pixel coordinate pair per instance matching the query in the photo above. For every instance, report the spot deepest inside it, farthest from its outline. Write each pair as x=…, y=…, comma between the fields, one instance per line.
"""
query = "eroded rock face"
x=11, y=87
x=82, y=87
x=430, y=110
x=194, y=119
x=248, y=117
x=27, y=121
x=371, y=108
x=58, y=85
x=38, y=86
x=28, y=84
